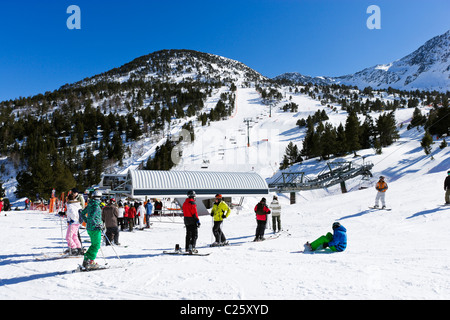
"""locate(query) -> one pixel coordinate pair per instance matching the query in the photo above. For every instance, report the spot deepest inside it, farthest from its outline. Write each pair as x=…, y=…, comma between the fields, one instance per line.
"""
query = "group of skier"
x=92, y=214
x=98, y=215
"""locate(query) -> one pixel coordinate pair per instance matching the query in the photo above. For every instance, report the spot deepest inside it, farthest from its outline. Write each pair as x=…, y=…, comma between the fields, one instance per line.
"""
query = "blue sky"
x=39, y=53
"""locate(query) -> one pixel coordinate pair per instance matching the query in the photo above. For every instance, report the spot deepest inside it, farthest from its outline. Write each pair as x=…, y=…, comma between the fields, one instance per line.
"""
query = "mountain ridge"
x=177, y=65
x=426, y=68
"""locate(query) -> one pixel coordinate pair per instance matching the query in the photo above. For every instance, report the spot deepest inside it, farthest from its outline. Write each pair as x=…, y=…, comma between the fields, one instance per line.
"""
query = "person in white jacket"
x=141, y=212
x=276, y=214
x=73, y=220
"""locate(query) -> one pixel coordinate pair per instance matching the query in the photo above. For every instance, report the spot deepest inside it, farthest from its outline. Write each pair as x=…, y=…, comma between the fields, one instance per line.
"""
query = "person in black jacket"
x=447, y=188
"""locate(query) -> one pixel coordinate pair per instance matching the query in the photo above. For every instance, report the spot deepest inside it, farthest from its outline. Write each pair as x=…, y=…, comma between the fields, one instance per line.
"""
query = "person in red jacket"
x=261, y=211
x=191, y=221
x=131, y=216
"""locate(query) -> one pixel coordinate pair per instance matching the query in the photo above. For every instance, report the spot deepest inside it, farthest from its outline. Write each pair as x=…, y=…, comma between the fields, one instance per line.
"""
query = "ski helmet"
x=336, y=225
x=218, y=196
x=191, y=194
x=97, y=194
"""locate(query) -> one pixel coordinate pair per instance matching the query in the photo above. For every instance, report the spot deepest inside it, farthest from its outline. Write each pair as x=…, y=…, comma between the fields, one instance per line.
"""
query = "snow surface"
x=398, y=254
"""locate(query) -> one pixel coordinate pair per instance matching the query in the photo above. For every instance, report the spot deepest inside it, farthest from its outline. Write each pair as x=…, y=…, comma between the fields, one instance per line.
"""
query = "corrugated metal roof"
x=177, y=183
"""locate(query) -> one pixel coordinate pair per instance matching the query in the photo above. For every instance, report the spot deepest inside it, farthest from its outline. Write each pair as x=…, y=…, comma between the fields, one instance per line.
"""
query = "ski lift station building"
x=141, y=184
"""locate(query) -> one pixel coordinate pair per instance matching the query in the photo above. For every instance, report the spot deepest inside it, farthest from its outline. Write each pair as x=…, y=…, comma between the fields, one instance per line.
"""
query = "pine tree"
x=63, y=179
x=367, y=132
x=328, y=141
x=387, y=129
x=426, y=143
x=352, y=132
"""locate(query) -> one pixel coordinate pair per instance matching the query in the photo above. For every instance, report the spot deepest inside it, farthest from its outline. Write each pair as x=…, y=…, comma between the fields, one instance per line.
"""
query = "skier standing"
x=121, y=216
x=131, y=216
x=337, y=241
x=110, y=214
x=261, y=211
x=73, y=220
x=148, y=209
x=191, y=221
x=276, y=214
x=92, y=214
x=219, y=211
x=141, y=212
x=381, y=194
x=158, y=207
x=447, y=188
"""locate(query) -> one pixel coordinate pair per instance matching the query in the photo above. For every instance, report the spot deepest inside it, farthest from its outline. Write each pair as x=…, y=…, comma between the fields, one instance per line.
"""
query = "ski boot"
x=307, y=247
x=192, y=250
x=90, y=264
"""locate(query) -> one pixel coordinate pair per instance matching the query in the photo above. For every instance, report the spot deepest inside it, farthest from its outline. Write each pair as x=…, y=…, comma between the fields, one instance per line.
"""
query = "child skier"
x=92, y=214
x=337, y=241
x=73, y=220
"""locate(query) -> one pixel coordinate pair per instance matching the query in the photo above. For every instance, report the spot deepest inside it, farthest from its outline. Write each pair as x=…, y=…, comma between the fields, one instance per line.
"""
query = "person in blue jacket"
x=149, y=209
x=337, y=242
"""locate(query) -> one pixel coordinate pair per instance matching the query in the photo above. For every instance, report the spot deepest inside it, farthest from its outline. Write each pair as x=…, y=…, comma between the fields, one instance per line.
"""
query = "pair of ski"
x=271, y=237
x=58, y=256
x=80, y=269
x=186, y=253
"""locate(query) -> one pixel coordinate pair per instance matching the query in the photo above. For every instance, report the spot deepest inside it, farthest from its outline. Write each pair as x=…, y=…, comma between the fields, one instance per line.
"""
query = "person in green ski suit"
x=337, y=241
x=92, y=214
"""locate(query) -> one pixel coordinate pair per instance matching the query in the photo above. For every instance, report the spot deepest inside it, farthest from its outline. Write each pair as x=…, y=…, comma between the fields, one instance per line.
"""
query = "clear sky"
x=39, y=53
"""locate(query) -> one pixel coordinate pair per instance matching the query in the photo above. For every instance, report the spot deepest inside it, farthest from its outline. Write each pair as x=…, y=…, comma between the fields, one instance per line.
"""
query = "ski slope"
x=398, y=254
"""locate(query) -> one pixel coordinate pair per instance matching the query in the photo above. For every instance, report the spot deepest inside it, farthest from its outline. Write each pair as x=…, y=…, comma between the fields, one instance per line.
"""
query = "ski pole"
x=112, y=246
x=101, y=250
x=62, y=235
x=212, y=229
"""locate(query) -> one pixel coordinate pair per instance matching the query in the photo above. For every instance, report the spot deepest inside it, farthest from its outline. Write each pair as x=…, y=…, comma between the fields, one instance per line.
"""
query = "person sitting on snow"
x=337, y=242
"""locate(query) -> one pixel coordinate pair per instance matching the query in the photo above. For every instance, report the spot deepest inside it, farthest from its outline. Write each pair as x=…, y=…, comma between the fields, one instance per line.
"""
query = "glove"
x=325, y=245
x=224, y=216
x=198, y=224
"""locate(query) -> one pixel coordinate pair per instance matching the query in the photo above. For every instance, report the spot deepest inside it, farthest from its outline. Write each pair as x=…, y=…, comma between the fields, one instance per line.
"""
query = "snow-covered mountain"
x=175, y=66
x=427, y=68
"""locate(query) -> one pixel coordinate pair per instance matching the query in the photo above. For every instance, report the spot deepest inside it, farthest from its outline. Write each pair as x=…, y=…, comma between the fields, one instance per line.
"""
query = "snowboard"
x=387, y=209
x=181, y=253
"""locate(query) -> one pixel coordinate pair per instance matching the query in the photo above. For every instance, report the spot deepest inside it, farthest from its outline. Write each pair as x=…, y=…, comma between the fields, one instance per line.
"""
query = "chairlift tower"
x=247, y=121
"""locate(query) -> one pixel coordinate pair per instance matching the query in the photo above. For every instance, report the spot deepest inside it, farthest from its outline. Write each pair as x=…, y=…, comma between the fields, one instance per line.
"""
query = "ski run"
x=396, y=254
